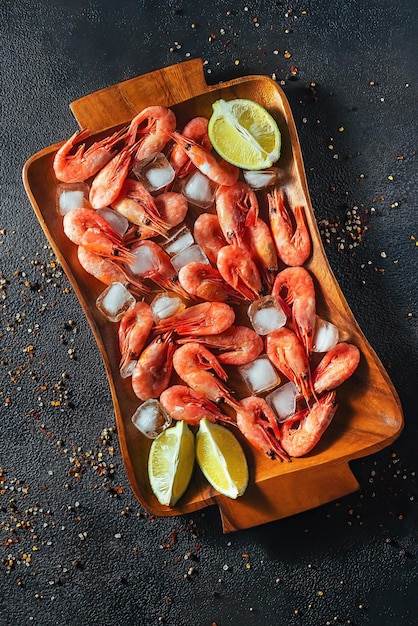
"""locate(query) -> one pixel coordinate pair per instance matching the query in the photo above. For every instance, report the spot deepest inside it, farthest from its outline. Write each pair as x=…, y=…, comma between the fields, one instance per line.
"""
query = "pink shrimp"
x=257, y=422
x=85, y=227
x=196, y=129
x=108, y=272
x=294, y=286
x=286, y=352
x=203, y=281
x=182, y=403
x=293, y=246
x=237, y=209
x=208, y=234
x=152, y=372
x=153, y=126
x=152, y=262
x=301, y=432
x=206, y=318
x=81, y=165
x=220, y=172
x=139, y=207
x=201, y=370
x=108, y=183
x=134, y=329
x=239, y=270
x=235, y=346
x=263, y=250
x=336, y=366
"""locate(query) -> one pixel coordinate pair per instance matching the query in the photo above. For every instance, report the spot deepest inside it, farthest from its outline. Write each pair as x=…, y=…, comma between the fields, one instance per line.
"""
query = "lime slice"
x=221, y=459
x=244, y=134
x=170, y=463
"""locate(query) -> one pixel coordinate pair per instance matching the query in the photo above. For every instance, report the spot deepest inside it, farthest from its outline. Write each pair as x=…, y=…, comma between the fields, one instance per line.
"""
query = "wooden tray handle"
x=119, y=103
x=278, y=497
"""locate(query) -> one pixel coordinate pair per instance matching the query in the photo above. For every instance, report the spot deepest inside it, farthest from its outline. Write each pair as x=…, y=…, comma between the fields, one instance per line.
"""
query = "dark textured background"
x=76, y=547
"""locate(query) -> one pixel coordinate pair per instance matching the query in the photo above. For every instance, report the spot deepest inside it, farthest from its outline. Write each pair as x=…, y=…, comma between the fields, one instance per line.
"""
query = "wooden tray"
x=369, y=416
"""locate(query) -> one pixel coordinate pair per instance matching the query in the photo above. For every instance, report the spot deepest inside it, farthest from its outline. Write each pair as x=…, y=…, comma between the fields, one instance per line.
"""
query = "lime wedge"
x=243, y=133
x=221, y=459
x=170, y=463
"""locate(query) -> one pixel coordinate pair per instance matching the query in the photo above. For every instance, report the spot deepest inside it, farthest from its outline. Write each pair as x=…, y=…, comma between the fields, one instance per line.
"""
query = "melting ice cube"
x=127, y=368
x=155, y=174
x=151, y=419
x=179, y=240
x=266, y=315
x=114, y=301
x=117, y=221
x=261, y=178
x=326, y=336
x=191, y=254
x=259, y=375
x=199, y=190
x=166, y=304
x=144, y=260
x=283, y=400
x=72, y=197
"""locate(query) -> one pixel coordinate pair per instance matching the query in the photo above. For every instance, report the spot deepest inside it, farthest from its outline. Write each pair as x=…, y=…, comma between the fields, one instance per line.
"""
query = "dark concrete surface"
x=76, y=547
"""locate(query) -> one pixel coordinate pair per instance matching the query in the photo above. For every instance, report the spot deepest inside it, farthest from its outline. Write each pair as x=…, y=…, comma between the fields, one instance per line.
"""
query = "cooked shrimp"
x=201, y=370
x=235, y=346
x=263, y=250
x=197, y=130
x=182, y=403
x=237, y=209
x=153, y=125
x=220, y=172
x=208, y=234
x=108, y=183
x=153, y=369
x=286, y=352
x=78, y=167
x=239, y=270
x=206, y=318
x=139, y=207
x=294, y=286
x=293, y=246
x=257, y=422
x=172, y=207
x=85, y=227
x=336, y=366
x=301, y=432
x=152, y=262
x=134, y=329
x=108, y=272
x=201, y=280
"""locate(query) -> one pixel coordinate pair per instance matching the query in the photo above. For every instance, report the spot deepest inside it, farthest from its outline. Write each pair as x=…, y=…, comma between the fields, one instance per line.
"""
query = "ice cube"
x=72, y=197
x=266, y=315
x=151, y=419
x=127, y=368
x=326, y=335
x=114, y=301
x=199, y=190
x=166, y=304
x=154, y=174
x=117, y=221
x=260, y=179
x=178, y=240
x=144, y=260
x=191, y=254
x=259, y=375
x=283, y=401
